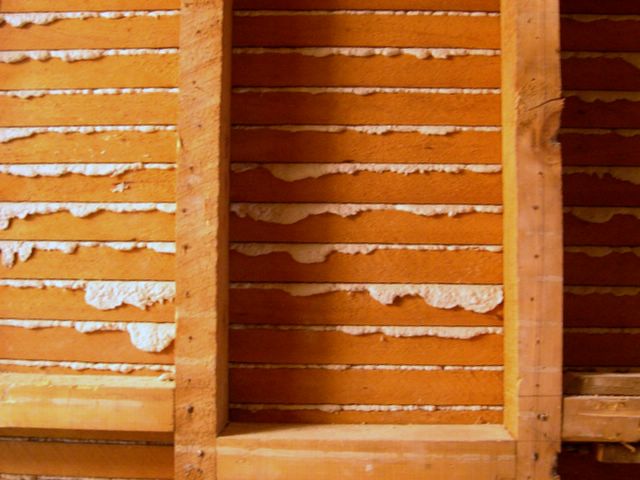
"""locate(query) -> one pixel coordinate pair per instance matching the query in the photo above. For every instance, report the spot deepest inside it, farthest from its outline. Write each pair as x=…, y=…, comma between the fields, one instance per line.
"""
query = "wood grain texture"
x=479, y=5
x=202, y=236
x=533, y=233
x=617, y=454
x=585, y=383
x=86, y=5
x=601, y=419
x=84, y=402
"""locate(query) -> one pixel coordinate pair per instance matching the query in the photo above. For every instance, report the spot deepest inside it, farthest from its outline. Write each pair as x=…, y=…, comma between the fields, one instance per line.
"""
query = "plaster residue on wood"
x=475, y=298
x=15, y=56
x=291, y=172
x=368, y=367
x=335, y=408
x=22, y=210
x=82, y=366
x=608, y=96
x=420, y=53
x=107, y=294
x=632, y=58
x=285, y=213
x=19, y=20
x=28, y=94
x=597, y=252
x=16, y=133
x=371, y=90
x=86, y=169
x=410, y=13
x=318, y=252
x=601, y=214
x=437, y=130
x=625, y=174
x=616, y=291
x=460, y=333
x=12, y=250
x=148, y=337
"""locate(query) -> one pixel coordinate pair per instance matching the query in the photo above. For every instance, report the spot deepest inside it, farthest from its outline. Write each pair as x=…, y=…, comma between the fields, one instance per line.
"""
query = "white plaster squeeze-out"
x=15, y=56
x=22, y=210
x=625, y=174
x=335, y=408
x=286, y=213
x=603, y=251
x=81, y=366
x=107, y=294
x=342, y=366
x=410, y=13
x=607, y=96
x=475, y=298
x=419, y=53
x=601, y=214
x=17, y=250
x=370, y=90
x=438, y=130
x=632, y=58
x=460, y=333
x=15, y=133
x=318, y=252
x=19, y=20
x=86, y=169
x=148, y=337
x=616, y=291
x=28, y=94
x=292, y=172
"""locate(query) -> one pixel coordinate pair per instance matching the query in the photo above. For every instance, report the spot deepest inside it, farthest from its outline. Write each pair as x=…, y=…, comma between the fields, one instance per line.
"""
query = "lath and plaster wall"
x=366, y=212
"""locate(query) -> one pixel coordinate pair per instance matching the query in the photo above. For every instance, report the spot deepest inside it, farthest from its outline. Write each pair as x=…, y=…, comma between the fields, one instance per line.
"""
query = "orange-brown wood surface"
x=379, y=387
x=382, y=266
x=260, y=108
x=341, y=29
x=149, y=185
x=105, y=72
x=312, y=347
x=367, y=187
x=257, y=306
x=135, y=32
x=86, y=5
x=67, y=344
x=90, y=109
x=95, y=263
x=375, y=227
x=106, y=147
x=271, y=145
x=479, y=5
x=291, y=69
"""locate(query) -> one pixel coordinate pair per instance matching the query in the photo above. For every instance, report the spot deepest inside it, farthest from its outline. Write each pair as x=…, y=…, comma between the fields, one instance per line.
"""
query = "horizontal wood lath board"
x=86, y=460
x=601, y=419
x=259, y=185
x=621, y=230
x=94, y=263
x=105, y=72
x=343, y=29
x=271, y=145
x=382, y=266
x=480, y=5
x=601, y=349
x=264, y=108
x=590, y=190
x=134, y=32
x=601, y=310
x=86, y=5
x=299, y=346
x=123, y=109
x=291, y=69
x=86, y=403
x=604, y=73
x=378, y=387
x=106, y=147
x=599, y=149
x=600, y=35
x=64, y=304
x=102, y=226
x=613, y=269
x=150, y=185
x=376, y=227
x=67, y=344
x=63, y=369
x=256, y=306
x=601, y=114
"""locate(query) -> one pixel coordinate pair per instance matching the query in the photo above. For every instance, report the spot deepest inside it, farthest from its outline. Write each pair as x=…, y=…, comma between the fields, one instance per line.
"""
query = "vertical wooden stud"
x=201, y=236
x=531, y=107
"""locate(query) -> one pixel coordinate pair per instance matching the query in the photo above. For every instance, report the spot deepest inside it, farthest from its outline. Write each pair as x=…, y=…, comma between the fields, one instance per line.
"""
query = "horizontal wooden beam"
x=618, y=453
x=314, y=452
x=601, y=419
x=579, y=383
x=86, y=402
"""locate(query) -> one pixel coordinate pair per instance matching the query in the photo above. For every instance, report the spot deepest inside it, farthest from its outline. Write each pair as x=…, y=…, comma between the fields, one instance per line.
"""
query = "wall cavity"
x=601, y=214
x=625, y=174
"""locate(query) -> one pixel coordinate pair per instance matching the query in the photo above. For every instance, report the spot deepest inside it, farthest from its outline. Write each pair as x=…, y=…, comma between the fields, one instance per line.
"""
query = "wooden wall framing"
x=526, y=447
